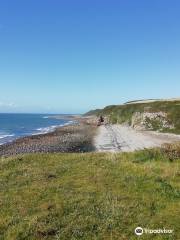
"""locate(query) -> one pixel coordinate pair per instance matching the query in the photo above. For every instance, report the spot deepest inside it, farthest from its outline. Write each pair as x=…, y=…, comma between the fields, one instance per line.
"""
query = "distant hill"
x=152, y=100
x=92, y=112
x=151, y=114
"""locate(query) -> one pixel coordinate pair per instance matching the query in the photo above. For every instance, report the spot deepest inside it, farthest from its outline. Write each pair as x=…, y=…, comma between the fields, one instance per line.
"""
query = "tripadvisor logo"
x=139, y=231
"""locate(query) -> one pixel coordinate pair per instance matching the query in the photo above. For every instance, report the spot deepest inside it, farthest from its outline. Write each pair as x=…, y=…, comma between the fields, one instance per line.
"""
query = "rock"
x=151, y=121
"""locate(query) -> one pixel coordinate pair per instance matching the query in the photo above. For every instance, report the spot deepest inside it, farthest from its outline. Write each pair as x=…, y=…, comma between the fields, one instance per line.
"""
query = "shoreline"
x=74, y=137
x=71, y=120
x=42, y=131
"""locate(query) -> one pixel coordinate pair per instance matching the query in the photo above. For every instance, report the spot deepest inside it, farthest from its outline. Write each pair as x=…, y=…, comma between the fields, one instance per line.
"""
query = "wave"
x=4, y=138
x=6, y=135
x=49, y=129
x=46, y=129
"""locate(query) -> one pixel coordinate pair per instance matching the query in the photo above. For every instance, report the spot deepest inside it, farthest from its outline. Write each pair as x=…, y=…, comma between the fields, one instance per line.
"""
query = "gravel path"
x=116, y=138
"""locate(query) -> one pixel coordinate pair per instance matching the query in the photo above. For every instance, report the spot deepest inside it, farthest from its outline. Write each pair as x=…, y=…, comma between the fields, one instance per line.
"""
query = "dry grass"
x=172, y=151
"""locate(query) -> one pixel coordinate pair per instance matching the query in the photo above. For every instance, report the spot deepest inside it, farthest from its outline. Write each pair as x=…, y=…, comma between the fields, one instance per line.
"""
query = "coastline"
x=16, y=125
x=11, y=134
x=73, y=137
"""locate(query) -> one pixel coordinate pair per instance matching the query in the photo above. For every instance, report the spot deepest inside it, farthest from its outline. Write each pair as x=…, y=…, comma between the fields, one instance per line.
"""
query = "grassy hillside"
x=124, y=113
x=89, y=196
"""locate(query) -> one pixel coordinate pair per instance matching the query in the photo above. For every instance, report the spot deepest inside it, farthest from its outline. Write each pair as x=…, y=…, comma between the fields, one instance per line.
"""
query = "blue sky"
x=66, y=56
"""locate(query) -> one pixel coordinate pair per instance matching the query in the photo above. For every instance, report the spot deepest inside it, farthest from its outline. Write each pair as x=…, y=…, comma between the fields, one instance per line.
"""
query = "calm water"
x=13, y=126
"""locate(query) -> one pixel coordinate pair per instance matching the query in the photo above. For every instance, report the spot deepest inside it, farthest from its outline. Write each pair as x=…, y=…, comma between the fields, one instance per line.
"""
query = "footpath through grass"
x=89, y=196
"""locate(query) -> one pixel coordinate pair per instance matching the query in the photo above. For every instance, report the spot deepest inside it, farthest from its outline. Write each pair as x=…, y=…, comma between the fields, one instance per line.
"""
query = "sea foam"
x=6, y=135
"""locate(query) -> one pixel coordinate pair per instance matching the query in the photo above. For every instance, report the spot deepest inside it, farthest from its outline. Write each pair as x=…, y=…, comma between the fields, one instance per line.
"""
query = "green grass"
x=123, y=113
x=89, y=196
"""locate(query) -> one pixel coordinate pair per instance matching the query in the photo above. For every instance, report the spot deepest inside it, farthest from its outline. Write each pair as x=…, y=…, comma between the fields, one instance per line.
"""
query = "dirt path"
x=117, y=138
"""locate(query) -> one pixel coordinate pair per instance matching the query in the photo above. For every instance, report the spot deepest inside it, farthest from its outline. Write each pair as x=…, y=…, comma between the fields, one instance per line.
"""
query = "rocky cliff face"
x=151, y=121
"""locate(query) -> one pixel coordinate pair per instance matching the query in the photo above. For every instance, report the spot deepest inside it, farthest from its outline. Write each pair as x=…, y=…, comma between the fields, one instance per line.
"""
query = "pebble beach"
x=71, y=138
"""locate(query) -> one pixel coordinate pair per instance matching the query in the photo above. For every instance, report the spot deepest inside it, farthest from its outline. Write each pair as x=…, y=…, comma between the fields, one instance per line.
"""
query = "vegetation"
x=90, y=195
x=124, y=113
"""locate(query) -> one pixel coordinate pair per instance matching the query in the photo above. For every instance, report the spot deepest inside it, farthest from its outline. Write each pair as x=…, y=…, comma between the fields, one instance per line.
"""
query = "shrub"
x=172, y=151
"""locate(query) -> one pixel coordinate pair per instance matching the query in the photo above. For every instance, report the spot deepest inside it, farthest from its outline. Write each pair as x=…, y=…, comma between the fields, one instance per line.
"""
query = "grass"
x=90, y=195
x=123, y=113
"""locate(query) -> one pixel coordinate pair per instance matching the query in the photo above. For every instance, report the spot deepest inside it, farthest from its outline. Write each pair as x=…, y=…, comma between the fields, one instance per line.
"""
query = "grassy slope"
x=123, y=113
x=88, y=196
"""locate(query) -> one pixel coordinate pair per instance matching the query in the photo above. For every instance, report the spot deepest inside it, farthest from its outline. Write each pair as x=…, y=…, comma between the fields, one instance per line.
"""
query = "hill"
x=161, y=115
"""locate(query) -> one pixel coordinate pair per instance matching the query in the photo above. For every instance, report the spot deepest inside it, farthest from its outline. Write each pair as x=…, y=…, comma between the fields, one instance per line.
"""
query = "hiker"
x=100, y=120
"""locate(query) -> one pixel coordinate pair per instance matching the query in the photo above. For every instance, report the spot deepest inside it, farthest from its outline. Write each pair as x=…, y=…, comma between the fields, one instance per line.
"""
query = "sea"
x=13, y=126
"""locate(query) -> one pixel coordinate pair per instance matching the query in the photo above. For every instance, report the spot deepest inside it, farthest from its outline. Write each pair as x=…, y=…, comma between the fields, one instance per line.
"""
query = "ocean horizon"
x=16, y=125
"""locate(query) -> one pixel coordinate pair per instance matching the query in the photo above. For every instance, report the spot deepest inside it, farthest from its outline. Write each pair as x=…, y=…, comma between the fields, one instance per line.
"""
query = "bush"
x=172, y=151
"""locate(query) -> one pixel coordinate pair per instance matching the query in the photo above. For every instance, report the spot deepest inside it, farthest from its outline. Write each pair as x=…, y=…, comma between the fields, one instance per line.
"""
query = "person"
x=100, y=120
